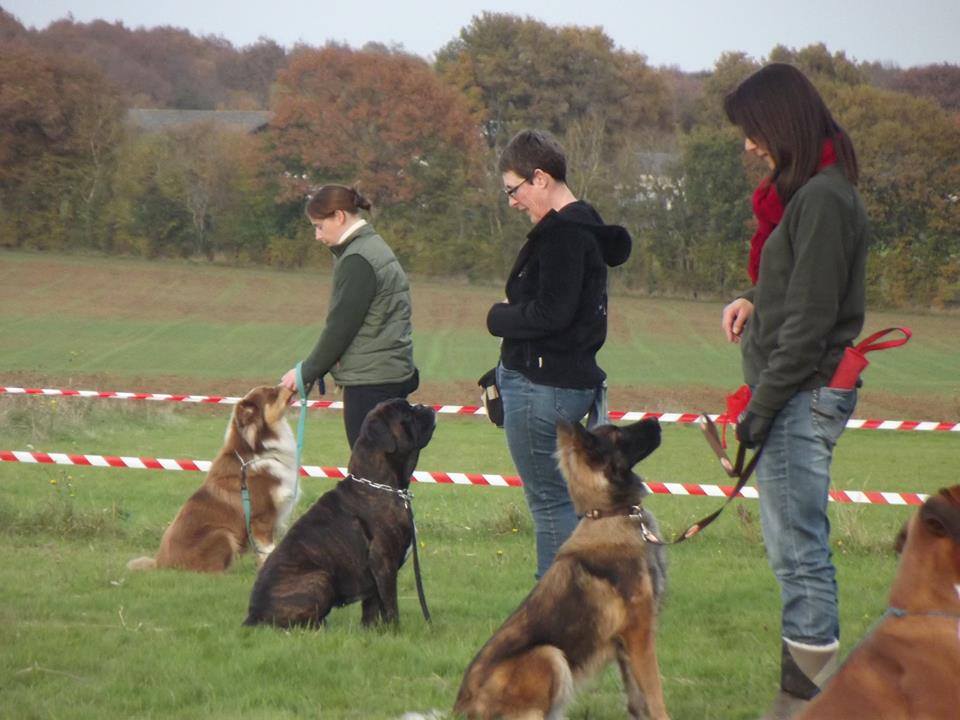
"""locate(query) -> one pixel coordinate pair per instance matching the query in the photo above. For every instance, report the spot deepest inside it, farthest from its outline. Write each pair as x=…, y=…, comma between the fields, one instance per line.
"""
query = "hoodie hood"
x=613, y=240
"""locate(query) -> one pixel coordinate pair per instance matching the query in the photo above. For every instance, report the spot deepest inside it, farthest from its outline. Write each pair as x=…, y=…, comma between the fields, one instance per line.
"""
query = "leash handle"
x=869, y=344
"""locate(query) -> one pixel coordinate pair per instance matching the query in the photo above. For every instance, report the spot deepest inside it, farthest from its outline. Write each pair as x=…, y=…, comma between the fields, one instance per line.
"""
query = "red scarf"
x=769, y=210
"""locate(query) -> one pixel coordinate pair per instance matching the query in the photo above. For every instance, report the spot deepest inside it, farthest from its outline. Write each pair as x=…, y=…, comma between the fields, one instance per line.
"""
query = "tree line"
x=648, y=146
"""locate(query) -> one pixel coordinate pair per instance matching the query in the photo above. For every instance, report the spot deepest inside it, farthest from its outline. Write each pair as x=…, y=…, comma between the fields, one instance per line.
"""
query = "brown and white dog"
x=211, y=530
x=597, y=601
x=908, y=668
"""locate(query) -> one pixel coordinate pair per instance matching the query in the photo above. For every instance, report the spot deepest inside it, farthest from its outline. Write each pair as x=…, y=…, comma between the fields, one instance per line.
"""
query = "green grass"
x=84, y=638
x=87, y=638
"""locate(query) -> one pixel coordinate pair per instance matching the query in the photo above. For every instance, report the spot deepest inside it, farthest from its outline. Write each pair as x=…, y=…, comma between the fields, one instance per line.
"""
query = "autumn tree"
x=168, y=66
x=819, y=64
x=248, y=74
x=60, y=122
x=10, y=28
x=521, y=72
x=939, y=82
x=909, y=153
x=382, y=120
x=192, y=191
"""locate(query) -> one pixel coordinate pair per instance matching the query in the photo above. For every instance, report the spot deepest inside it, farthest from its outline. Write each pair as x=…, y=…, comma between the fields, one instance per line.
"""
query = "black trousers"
x=358, y=400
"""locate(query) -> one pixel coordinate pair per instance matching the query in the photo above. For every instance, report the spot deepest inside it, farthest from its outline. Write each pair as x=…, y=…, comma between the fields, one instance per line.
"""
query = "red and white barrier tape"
x=629, y=415
x=452, y=478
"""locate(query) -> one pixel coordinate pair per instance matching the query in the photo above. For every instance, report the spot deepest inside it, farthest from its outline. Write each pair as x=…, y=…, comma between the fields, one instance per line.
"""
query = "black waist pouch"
x=490, y=397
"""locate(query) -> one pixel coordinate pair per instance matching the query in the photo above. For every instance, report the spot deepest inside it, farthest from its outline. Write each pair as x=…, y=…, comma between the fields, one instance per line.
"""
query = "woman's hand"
x=735, y=316
x=289, y=379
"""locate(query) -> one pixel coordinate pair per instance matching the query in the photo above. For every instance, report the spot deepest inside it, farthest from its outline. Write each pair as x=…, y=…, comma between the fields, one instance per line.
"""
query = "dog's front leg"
x=384, y=569
x=641, y=657
x=371, y=610
x=636, y=705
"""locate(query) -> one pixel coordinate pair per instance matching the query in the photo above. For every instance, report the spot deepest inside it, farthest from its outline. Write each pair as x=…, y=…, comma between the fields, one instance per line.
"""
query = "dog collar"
x=893, y=611
x=634, y=512
x=405, y=495
x=628, y=510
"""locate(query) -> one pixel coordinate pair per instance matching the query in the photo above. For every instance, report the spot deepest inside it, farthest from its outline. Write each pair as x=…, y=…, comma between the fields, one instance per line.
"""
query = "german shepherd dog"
x=597, y=601
x=908, y=667
x=211, y=529
x=350, y=545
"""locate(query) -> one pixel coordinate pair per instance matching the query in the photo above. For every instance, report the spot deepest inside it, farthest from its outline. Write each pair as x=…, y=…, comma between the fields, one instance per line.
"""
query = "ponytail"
x=330, y=198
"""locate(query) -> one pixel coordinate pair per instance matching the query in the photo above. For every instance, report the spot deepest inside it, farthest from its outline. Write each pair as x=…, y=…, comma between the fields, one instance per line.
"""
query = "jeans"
x=793, y=479
x=530, y=415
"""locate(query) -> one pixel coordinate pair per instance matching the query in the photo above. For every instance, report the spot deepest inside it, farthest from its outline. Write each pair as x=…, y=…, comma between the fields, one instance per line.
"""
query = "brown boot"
x=803, y=671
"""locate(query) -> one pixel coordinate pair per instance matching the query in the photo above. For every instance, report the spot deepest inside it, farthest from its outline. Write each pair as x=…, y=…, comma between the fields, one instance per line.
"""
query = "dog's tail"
x=142, y=563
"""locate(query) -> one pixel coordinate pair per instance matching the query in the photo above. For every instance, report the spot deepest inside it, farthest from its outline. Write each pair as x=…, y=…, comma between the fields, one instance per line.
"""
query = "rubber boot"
x=803, y=671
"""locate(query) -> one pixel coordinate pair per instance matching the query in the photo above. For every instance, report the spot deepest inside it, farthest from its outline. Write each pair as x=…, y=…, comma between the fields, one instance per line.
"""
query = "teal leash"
x=301, y=425
x=245, y=499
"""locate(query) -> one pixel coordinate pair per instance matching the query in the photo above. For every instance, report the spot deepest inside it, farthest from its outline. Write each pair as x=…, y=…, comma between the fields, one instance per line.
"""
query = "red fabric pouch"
x=854, y=359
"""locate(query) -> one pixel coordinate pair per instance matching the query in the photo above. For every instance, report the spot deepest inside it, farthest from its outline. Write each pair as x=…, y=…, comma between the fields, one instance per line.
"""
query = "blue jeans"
x=793, y=479
x=530, y=415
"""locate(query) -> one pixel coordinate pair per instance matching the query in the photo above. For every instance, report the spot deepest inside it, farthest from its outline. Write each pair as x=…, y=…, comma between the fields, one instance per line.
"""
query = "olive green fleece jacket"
x=809, y=301
x=367, y=337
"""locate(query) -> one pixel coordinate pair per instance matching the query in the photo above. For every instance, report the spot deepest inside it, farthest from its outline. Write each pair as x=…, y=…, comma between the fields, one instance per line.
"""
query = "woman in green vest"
x=366, y=342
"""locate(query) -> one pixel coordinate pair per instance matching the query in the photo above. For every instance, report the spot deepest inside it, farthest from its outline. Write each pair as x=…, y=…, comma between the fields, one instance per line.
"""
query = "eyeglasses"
x=511, y=192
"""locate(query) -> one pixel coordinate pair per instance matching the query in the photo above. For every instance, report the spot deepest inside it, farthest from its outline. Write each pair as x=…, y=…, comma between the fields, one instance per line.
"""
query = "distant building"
x=655, y=167
x=153, y=120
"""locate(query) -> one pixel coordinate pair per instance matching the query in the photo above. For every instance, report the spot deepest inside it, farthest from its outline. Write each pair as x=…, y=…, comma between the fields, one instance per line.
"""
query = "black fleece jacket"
x=555, y=317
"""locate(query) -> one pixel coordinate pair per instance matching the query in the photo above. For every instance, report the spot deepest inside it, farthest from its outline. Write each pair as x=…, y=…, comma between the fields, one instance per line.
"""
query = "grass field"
x=81, y=637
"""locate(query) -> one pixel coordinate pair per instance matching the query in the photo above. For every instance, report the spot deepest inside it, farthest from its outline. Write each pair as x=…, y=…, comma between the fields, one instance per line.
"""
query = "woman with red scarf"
x=807, y=263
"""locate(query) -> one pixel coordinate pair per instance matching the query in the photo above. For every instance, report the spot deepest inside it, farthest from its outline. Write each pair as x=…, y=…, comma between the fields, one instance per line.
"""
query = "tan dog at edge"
x=211, y=530
x=596, y=603
x=908, y=668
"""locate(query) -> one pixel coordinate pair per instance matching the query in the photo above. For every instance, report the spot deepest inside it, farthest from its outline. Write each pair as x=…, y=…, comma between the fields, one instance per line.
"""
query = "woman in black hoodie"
x=553, y=323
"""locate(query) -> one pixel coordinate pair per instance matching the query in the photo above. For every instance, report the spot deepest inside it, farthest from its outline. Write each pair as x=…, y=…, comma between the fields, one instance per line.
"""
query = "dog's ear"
x=248, y=416
x=638, y=440
x=940, y=514
x=378, y=433
x=576, y=435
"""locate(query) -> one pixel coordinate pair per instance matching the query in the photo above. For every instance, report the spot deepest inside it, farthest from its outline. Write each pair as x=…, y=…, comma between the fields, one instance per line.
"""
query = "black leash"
x=407, y=497
x=416, y=565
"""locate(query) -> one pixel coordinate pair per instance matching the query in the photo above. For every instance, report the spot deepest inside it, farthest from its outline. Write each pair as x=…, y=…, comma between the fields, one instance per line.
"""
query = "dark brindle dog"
x=597, y=601
x=351, y=543
x=909, y=667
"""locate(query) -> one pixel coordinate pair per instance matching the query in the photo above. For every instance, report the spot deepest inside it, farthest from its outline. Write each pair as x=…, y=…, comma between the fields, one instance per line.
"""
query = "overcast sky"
x=690, y=34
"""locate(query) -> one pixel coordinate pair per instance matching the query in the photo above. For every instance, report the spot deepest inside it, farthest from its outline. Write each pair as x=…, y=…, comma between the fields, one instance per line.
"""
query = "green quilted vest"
x=382, y=351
